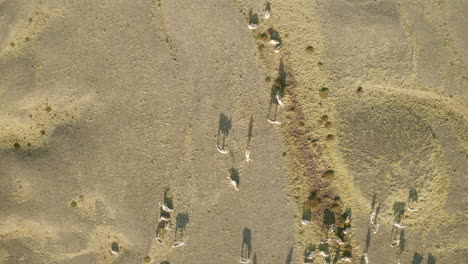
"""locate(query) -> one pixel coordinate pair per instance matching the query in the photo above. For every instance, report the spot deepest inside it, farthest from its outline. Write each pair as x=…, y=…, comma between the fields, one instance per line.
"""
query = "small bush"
x=323, y=92
x=310, y=49
x=329, y=174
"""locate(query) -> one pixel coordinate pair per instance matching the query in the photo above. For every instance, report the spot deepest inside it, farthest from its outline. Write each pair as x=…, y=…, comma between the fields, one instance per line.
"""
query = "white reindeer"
x=311, y=255
x=166, y=219
x=398, y=225
x=178, y=244
x=375, y=229
x=274, y=122
x=410, y=209
x=244, y=260
x=346, y=259
x=274, y=42
x=160, y=241
x=372, y=217
x=305, y=222
x=348, y=219
x=277, y=48
x=323, y=253
x=395, y=242
x=222, y=151
x=247, y=154
x=339, y=241
x=233, y=183
x=366, y=258
x=325, y=241
x=332, y=226
x=114, y=252
x=252, y=26
x=347, y=230
x=267, y=14
x=280, y=102
x=165, y=208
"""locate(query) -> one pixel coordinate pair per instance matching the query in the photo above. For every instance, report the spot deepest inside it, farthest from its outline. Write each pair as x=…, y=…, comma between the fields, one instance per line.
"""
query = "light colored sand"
x=135, y=92
x=110, y=104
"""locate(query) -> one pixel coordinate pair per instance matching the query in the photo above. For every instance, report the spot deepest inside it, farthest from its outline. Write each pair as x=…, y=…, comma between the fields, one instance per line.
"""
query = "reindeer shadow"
x=182, y=220
x=274, y=34
x=255, y=261
x=249, y=134
x=290, y=256
x=398, y=210
x=431, y=259
x=277, y=89
x=337, y=255
x=374, y=200
x=417, y=258
x=402, y=241
x=368, y=239
x=328, y=219
x=412, y=196
x=273, y=107
x=306, y=213
x=225, y=125
x=253, y=18
x=161, y=227
x=246, y=248
x=310, y=248
x=168, y=202
x=234, y=175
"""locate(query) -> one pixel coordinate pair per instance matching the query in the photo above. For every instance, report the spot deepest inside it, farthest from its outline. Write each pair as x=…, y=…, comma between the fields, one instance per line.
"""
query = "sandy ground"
x=111, y=104
x=108, y=107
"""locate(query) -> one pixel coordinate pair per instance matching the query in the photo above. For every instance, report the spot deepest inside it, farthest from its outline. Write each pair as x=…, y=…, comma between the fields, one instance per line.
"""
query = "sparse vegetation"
x=323, y=92
x=310, y=49
x=262, y=36
x=329, y=174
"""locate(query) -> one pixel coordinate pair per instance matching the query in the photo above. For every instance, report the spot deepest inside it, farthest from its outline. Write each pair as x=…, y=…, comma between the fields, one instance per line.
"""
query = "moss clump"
x=329, y=174
x=328, y=124
x=314, y=202
x=262, y=36
x=310, y=49
x=48, y=108
x=323, y=92
x=16, y=145
x=330, y=137
x=147, y=259
x=73, y=204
